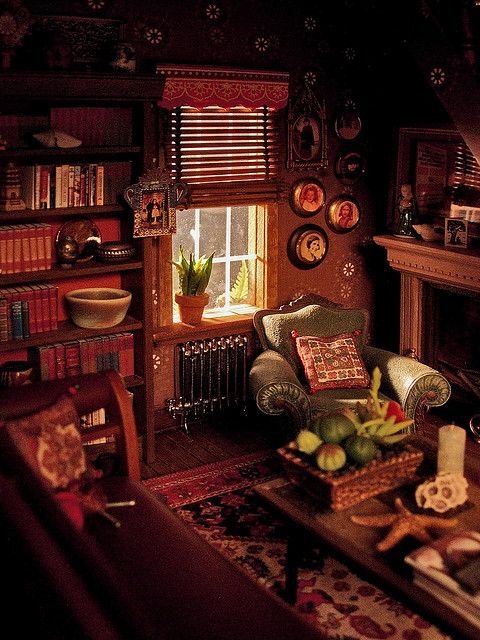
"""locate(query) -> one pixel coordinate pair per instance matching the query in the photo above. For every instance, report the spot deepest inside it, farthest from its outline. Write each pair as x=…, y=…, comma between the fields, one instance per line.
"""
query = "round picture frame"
x=348, y=125
x=307, y=246
x=349, y=167
x=343, y=214
x=307, y=197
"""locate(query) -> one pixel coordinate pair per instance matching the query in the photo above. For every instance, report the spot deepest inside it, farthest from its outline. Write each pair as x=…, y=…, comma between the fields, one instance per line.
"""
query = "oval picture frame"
x=349, y=167
x=348, y=125
x=307, y=246
x=307, y=197
x=343, y=214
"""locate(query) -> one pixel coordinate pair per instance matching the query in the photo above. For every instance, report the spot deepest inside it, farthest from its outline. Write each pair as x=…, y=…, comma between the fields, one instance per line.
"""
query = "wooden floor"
x=207, y=442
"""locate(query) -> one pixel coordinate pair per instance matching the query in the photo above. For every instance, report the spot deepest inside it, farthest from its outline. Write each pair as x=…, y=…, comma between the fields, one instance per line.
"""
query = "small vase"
x=191, y=307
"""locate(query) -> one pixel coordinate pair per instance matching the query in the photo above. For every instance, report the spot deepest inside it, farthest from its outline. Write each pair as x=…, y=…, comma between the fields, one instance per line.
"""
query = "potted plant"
x=193, y=277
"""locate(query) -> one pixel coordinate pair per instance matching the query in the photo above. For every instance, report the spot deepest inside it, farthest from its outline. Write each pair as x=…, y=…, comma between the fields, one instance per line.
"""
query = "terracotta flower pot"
x=191, y=307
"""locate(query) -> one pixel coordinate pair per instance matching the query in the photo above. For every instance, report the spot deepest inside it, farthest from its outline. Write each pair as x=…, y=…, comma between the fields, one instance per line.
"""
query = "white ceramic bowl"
x=98, y=308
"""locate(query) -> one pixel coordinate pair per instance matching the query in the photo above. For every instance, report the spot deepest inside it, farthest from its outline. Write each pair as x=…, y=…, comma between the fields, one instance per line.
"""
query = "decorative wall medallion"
x=343, y=214
x=348, y=124
x=349, y=167
x=307, y=246
x=307, y=197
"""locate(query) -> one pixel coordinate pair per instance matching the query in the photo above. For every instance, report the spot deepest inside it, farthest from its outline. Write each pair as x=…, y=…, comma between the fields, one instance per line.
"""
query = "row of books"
x=64, y=185
x=449, y=569
x=86, y=355
x=25, y=247
x=26, y=310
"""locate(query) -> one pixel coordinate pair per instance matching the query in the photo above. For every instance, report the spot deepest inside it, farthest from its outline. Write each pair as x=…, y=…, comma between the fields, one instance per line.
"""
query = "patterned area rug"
x=218, y=501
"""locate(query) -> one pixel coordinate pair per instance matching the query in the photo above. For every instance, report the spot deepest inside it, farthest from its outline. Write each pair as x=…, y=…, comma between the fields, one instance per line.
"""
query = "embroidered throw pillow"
x=50, y=442
x=332, y=362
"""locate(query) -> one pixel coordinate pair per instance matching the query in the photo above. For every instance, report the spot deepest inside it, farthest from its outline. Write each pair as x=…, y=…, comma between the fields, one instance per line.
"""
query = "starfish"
x=403, y=523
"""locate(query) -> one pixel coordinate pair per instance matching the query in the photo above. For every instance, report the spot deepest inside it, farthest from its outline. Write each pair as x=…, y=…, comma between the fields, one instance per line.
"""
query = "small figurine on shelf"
x=11, y=189
x=406, y=211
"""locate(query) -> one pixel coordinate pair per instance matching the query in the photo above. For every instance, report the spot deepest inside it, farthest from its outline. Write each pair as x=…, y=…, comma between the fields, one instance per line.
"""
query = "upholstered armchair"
x=277, y=377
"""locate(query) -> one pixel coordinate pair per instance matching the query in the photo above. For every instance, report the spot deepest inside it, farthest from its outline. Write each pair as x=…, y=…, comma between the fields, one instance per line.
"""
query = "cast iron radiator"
x=210, y=375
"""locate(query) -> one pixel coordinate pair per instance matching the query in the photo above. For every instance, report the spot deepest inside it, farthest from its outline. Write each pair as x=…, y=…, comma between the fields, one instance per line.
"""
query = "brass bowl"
x=114, y=251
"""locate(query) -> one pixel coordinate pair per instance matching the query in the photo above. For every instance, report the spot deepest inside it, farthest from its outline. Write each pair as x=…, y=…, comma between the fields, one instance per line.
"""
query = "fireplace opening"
x=452, y=333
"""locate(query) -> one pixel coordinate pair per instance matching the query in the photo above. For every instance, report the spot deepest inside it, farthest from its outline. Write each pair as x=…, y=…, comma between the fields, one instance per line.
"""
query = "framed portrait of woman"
x=307, y=197
x=343, y=214
x=307, y=246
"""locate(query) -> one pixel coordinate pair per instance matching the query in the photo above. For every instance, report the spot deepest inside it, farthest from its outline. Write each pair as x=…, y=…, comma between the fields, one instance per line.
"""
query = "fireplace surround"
x=439, y=308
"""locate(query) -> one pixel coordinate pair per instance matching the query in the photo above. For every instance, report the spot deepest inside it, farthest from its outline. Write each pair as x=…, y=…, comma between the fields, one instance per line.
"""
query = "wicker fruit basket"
x=338, y=490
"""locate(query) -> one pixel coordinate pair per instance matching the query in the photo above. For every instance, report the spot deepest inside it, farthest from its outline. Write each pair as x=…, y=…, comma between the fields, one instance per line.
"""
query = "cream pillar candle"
x=451, y=449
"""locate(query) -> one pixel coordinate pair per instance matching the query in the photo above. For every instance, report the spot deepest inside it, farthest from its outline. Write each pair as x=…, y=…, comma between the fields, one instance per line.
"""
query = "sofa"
x=151, y=578
x=277, y=380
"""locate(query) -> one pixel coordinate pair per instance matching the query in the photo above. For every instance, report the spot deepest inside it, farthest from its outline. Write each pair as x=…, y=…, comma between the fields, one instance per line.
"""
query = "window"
x=230, y=158
x=233, y=233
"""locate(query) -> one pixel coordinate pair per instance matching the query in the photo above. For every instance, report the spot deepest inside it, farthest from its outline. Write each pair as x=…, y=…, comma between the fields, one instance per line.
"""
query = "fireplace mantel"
x=422, y=264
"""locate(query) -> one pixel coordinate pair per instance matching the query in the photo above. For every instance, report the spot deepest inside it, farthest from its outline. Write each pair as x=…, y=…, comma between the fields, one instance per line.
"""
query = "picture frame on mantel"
x=426, y=160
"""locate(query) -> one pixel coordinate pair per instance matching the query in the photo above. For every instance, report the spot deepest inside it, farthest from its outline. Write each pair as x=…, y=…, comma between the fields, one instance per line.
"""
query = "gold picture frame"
x=154, y=204
x=307, y=197
x=343, y=214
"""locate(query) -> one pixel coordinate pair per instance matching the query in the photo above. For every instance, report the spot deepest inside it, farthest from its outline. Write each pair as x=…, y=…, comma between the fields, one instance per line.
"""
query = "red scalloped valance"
x=220, y=86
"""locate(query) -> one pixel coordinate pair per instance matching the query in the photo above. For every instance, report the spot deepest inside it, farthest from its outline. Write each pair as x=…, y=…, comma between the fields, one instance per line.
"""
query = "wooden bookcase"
x=115, y=116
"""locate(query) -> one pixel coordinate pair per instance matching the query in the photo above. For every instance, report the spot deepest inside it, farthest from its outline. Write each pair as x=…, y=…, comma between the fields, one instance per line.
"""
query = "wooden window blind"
x=218, y=145
x=466, y=172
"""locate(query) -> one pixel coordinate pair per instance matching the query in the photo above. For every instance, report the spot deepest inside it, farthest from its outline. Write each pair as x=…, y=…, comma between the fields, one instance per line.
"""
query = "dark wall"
x=353, y=49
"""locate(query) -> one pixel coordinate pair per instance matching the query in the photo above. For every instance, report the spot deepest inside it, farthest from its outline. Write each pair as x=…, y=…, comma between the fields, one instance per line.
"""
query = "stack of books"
x=449, y=569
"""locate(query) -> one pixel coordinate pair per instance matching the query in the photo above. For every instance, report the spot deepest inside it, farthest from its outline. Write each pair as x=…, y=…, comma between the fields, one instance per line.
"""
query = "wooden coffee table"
x=355, y=544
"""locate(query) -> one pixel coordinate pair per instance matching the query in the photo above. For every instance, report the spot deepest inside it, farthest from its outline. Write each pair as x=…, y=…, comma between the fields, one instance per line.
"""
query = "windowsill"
x=212, y=324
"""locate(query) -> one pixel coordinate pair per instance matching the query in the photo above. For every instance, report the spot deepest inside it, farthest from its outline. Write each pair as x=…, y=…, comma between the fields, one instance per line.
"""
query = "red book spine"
x=60, y=362
x=47, y=238
x=32, y=239
x=6, y=293
x=17, y=249
x=72, y=358
x=3, y=319
x=10, y=249
x=37, y=308
x=46, y=362
x=3, y=249
x=44, y=187
x=45, y=307
x=53, y=306
x=25, y=253
x=83, y=355
x=39, y=235
x=98, y=351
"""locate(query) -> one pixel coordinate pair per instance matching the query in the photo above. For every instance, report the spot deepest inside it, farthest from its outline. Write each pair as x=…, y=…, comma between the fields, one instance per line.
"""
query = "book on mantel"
x=449, y=569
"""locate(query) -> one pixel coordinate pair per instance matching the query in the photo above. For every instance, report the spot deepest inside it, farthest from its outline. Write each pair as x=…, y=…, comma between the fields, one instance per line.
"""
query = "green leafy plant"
x=193, y=275
x=239, y=291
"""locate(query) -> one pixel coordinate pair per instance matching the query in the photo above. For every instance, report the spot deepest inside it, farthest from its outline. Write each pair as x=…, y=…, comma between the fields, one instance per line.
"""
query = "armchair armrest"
x=277, y=389
x=415, y=386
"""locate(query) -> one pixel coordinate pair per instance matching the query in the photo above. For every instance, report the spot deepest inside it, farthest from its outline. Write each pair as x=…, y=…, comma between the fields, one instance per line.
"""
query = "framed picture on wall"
x=343, y=214
x=307, y=196
x=307, y=132
x=307, y=246
x=350, y=166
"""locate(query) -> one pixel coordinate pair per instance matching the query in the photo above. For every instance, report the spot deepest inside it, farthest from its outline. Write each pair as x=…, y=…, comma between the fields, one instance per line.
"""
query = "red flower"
x=394, y=409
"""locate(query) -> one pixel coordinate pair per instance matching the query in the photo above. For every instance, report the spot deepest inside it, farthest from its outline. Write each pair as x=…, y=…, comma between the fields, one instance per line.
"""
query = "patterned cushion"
x=312, y=320
x=332, y=362
x=50, y=442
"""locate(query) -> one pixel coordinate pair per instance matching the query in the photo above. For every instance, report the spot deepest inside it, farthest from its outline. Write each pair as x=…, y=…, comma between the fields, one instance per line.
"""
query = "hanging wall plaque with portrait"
x=154, y=204
x=307, y=197
x=307, y=132
x=307, y=246
x=349, y=167
x=343, y=214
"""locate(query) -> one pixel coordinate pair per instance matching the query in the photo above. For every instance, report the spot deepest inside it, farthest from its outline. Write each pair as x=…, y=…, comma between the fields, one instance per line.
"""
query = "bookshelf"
x=115, y=116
